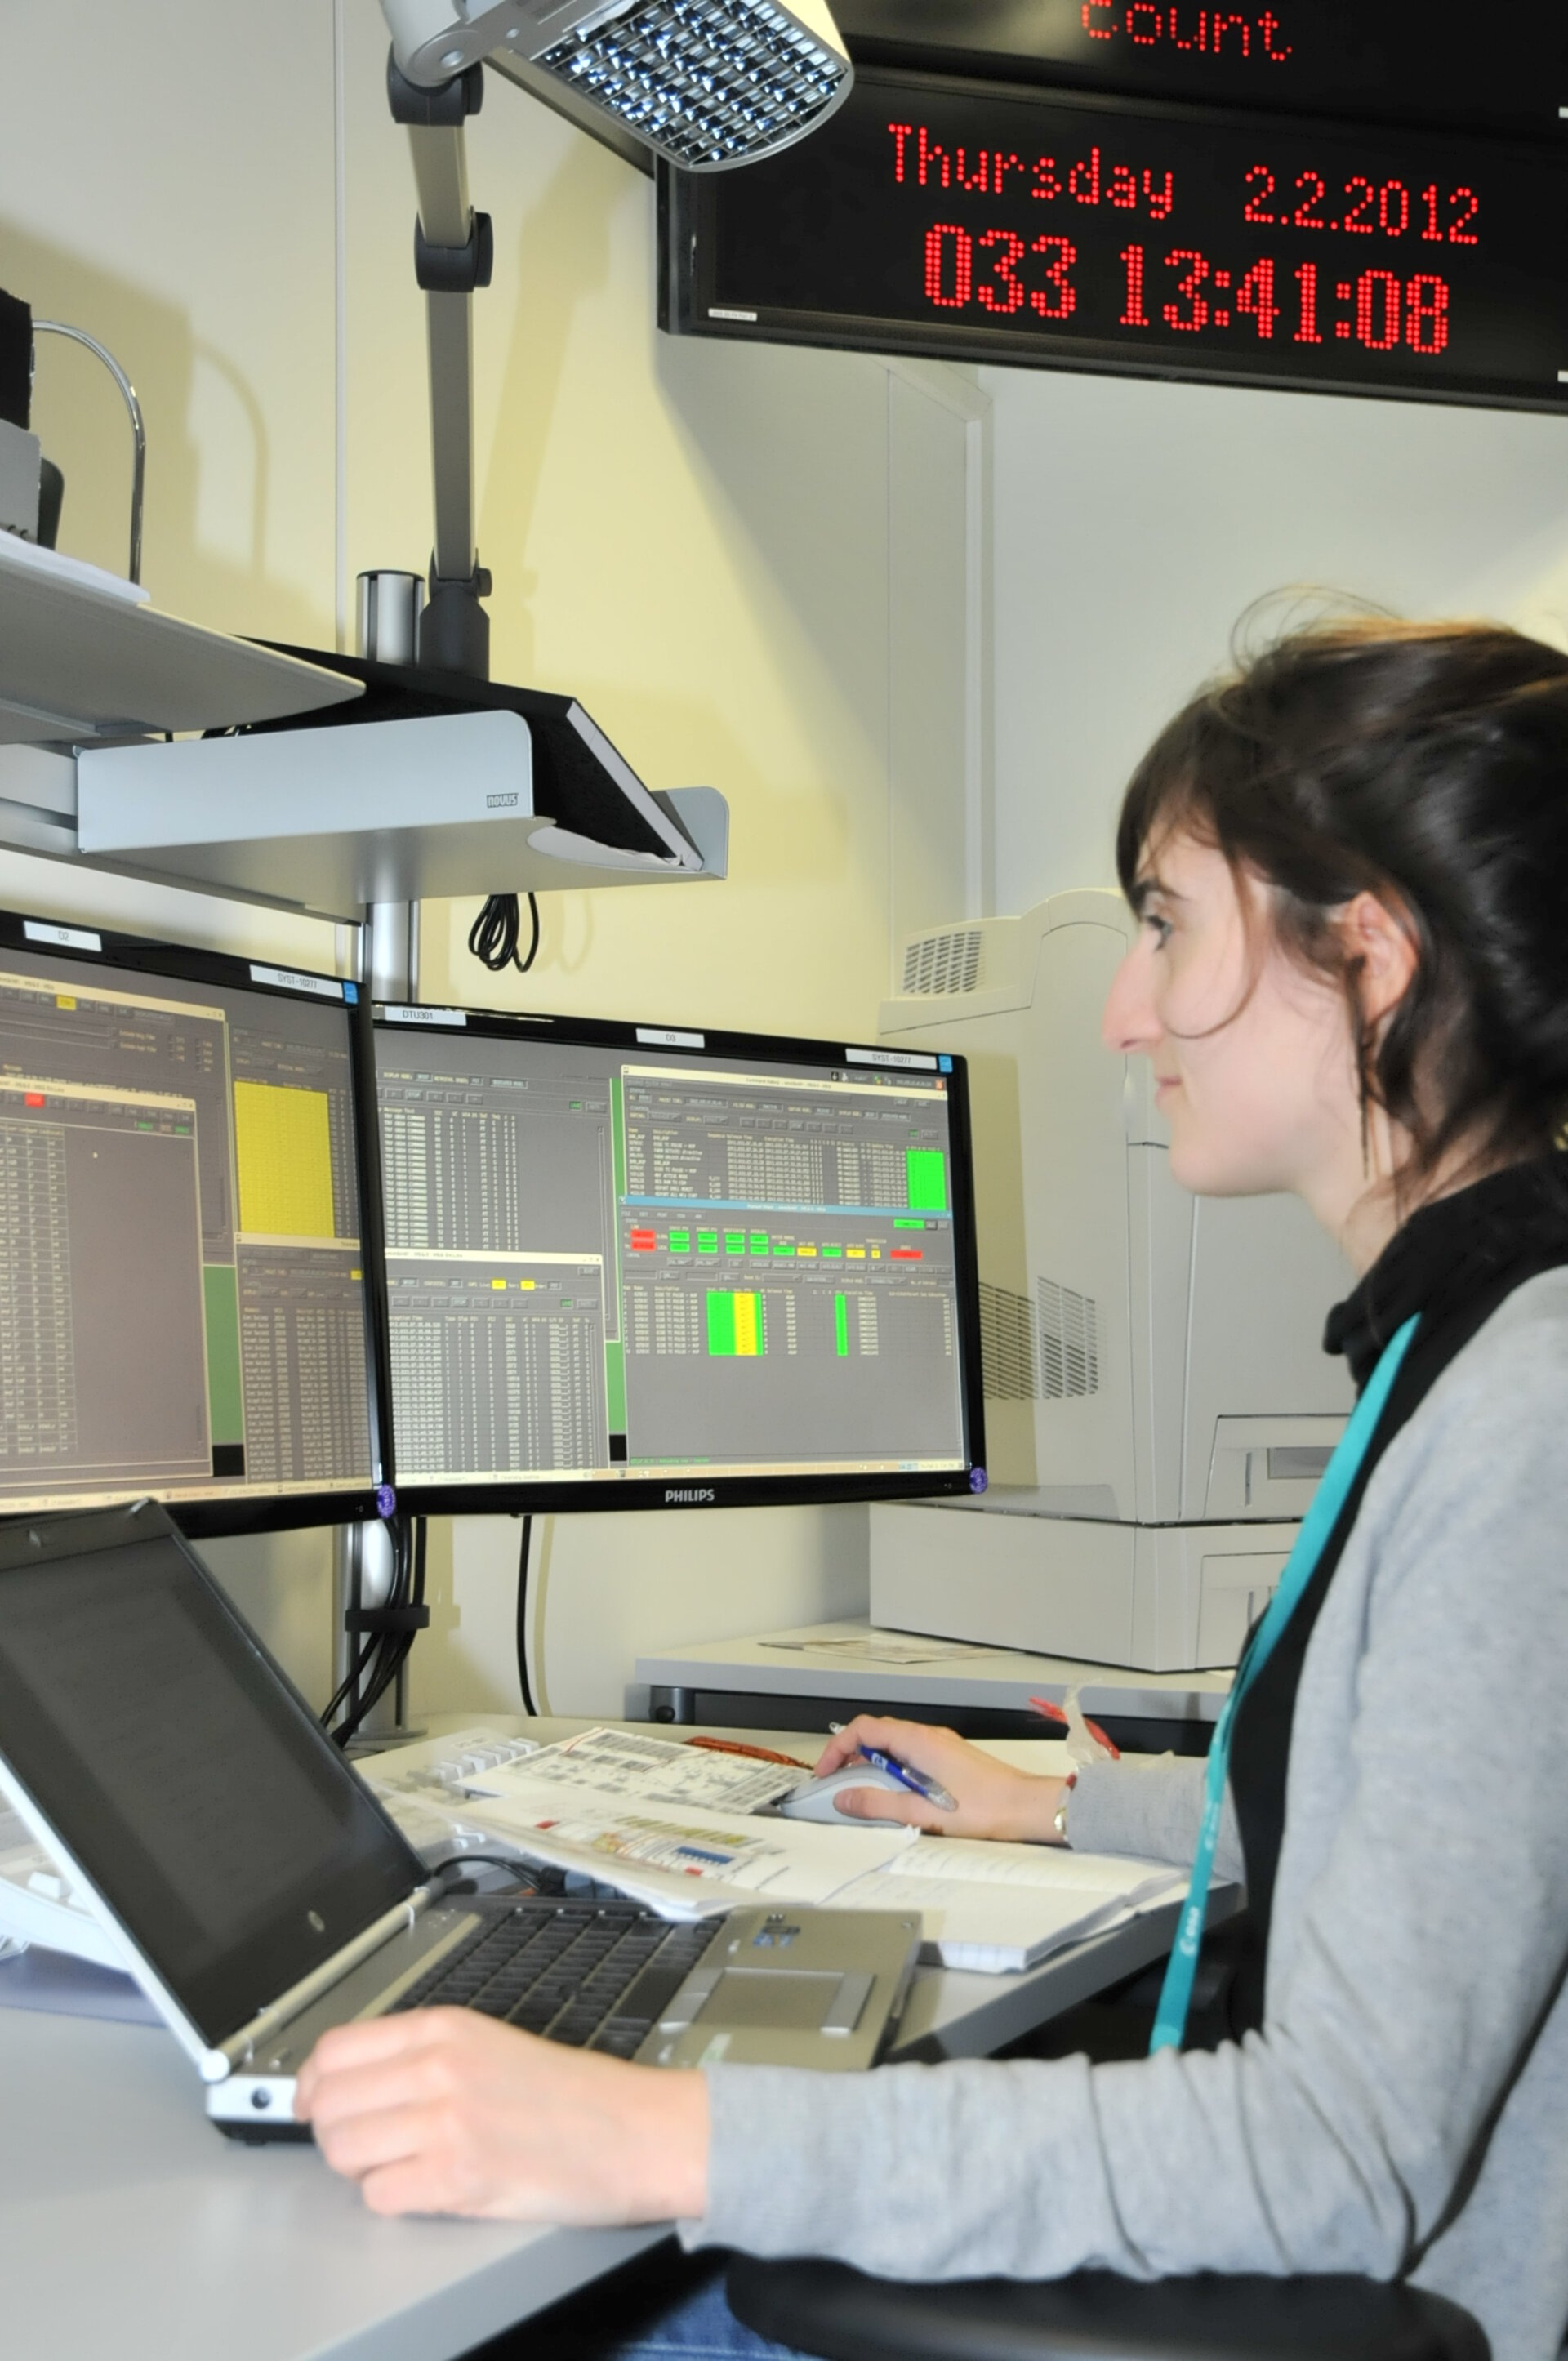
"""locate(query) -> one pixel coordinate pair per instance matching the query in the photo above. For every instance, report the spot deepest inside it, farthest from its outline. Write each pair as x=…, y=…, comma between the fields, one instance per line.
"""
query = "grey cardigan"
x=1404, y=2110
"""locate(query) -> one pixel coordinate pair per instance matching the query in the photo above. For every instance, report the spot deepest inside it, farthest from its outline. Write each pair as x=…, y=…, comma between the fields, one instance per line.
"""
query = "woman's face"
x=1255, y=1068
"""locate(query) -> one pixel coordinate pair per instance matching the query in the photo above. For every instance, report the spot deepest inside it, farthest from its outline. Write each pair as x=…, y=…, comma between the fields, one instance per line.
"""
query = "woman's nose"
x=1129, y=1024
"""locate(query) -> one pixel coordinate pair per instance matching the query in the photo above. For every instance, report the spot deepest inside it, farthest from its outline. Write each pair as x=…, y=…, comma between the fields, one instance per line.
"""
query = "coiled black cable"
x=493, y=936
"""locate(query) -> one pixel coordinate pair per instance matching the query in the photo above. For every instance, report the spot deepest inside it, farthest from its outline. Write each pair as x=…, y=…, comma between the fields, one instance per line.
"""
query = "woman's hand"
x=994, y=1800
x=444, y=2111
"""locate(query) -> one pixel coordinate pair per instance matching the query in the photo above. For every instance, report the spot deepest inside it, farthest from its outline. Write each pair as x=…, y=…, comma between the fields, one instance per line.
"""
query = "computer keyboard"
x=442, y=1764
x=423, y=1784
x=595, y=1975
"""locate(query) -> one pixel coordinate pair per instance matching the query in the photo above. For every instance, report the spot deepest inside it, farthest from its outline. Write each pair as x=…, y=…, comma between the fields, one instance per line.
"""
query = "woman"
x=1350, y=864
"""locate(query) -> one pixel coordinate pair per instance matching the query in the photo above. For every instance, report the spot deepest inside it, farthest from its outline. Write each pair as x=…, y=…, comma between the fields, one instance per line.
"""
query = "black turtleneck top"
x=1454, y=1262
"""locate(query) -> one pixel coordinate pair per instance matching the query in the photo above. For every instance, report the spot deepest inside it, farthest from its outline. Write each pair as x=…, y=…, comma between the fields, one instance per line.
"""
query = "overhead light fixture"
x=706, y=84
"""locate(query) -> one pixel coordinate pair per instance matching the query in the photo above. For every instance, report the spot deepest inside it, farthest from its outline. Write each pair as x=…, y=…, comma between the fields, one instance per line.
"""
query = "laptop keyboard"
x=596, y=1975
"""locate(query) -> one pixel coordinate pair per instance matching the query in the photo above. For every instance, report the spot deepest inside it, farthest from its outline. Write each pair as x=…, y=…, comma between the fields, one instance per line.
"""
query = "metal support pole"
x=362, y=1557
x=454, y=256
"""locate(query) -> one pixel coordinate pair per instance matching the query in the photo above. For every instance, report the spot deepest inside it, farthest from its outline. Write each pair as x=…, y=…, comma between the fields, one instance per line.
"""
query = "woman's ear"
x=1381, y=953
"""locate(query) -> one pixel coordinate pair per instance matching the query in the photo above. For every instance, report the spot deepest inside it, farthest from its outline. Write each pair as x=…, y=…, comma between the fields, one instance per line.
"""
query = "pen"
x=916, y=1781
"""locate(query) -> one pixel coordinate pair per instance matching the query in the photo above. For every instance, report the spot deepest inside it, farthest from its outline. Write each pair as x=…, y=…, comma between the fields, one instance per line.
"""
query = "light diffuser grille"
x=706, y=82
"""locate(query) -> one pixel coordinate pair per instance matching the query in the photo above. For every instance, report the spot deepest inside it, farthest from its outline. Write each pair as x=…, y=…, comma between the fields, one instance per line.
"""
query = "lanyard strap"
x=1334, y=1490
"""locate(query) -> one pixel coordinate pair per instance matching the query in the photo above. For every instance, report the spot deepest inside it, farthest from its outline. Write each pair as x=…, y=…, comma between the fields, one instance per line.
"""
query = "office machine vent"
x=1006, y=1345
x=1069, y=1342
x=946, y=963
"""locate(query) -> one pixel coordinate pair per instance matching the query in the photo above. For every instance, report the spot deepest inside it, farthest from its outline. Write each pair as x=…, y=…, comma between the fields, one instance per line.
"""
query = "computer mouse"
x=813, y=1800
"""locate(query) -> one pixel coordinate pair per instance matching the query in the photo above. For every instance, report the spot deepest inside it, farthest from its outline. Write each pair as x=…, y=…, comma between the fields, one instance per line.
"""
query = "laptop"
x=259, y=1892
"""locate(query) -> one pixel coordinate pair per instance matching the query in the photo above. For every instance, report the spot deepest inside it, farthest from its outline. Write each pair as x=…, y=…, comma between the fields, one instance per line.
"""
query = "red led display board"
x=1498, y=64
x=988, y=223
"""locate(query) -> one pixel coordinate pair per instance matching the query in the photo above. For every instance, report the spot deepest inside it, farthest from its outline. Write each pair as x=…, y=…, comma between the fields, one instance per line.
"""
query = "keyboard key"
x=582, y=1972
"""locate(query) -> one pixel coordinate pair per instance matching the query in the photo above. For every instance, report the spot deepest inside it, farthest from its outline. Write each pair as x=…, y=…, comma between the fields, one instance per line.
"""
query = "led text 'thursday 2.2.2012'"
x=935, y=217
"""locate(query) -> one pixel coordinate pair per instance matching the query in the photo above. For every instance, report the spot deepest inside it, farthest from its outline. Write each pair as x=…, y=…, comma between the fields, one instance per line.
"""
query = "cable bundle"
x=386, y=1633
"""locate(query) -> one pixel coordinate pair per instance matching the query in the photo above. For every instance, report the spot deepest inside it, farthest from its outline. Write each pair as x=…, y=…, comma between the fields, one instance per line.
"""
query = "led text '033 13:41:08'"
x=1379, y=309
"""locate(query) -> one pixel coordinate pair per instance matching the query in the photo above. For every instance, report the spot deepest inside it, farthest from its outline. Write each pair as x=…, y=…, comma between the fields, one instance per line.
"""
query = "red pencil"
x=1054, y=1713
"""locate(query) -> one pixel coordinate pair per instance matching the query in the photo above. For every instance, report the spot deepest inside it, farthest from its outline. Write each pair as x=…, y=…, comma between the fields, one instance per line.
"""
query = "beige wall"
x=1135, y=523
x=693, y=539
x=743, y=560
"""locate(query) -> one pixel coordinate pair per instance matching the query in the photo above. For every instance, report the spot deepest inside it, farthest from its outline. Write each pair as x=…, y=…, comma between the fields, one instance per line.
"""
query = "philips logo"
x=500, y=803
x=688, y=1497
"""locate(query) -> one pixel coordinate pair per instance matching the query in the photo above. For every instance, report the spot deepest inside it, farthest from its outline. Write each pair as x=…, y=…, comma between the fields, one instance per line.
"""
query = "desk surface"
x=129, y=2226
x=885, y=1670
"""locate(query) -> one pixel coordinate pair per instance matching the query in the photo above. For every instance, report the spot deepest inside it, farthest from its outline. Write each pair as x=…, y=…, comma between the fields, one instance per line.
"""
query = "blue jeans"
x=698, y=2327
x=666, y=2306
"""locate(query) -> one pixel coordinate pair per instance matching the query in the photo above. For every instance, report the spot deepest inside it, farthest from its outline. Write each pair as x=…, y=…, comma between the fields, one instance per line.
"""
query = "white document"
x=640, y=1769
x=1000, y=1907
x=684, y=1859
x=878, y=1651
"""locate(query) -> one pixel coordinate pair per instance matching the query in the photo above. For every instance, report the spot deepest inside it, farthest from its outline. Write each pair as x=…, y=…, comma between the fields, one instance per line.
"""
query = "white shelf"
x=78, y=663
x=86, y=664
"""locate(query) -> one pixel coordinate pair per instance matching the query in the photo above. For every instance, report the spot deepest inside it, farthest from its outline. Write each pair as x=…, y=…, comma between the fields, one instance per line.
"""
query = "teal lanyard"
x=1175, y=1995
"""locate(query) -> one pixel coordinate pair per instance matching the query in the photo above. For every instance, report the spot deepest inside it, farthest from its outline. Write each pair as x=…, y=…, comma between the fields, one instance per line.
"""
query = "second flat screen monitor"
x=636, y=1269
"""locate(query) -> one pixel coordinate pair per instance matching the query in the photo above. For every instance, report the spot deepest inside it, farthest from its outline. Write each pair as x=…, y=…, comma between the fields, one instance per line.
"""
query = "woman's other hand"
x=444, y=2111
x=993, y=1799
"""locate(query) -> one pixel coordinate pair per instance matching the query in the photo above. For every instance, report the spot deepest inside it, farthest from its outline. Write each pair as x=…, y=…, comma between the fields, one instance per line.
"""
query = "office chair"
x=835, y=2313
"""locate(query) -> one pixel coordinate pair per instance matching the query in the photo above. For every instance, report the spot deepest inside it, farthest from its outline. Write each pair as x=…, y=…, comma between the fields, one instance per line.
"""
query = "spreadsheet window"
x=185, y=1307
x=772, y=1254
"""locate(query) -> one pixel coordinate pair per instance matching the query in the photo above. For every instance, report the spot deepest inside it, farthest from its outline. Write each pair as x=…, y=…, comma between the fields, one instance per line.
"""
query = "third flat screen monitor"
x=636, y=1267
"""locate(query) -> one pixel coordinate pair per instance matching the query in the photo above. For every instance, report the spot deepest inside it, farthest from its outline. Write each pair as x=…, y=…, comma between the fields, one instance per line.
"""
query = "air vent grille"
x=946, y=963
x=1006, y=1345
x=1051, y=1356
x=1069, y=1342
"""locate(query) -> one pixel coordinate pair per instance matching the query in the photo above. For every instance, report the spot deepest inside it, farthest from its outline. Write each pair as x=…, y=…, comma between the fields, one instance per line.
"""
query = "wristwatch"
x=1059, y=1823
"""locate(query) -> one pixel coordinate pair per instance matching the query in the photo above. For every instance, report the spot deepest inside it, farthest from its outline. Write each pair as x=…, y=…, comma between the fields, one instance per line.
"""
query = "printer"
x=1158, y=1407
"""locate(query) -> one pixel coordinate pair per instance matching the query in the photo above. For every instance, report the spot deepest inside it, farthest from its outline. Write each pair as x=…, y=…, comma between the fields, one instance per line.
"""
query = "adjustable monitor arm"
x=454, y=254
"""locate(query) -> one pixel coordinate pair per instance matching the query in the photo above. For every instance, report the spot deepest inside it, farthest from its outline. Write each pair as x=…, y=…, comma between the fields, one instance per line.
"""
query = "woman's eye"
x=1160, y=927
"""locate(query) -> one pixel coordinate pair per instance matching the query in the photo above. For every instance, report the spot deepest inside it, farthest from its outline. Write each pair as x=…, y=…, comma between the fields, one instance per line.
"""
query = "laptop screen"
x=175, y=1762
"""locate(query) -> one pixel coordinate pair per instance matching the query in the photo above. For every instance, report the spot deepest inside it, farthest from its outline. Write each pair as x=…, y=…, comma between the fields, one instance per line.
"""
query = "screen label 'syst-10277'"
x=1147, y=238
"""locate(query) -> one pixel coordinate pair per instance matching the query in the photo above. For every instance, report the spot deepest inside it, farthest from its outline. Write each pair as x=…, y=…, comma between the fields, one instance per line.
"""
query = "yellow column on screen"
x=283, y=1146
x=735, y=1325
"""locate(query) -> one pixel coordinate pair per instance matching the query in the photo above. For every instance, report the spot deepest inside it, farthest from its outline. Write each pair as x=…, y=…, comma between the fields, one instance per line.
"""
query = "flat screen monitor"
x=185, y=1309
x=636, y=1267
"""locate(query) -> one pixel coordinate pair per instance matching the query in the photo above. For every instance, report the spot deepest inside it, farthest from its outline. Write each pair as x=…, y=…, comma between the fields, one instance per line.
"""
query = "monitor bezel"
x=242, y=1511
x=542, y=1495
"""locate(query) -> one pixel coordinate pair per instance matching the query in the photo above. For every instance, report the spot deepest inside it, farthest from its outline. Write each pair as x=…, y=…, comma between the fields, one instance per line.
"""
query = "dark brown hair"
x=1428, y=764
